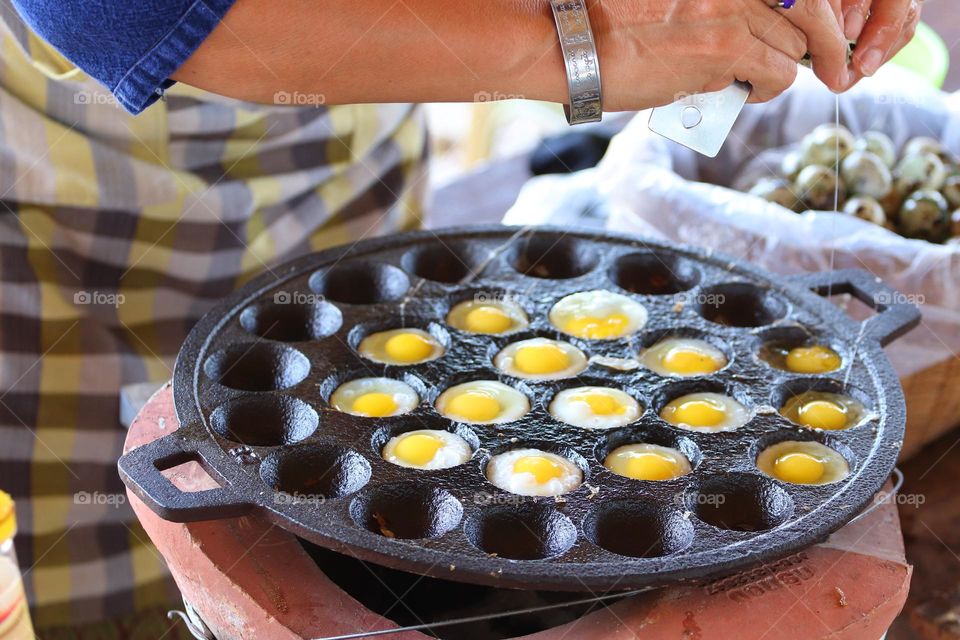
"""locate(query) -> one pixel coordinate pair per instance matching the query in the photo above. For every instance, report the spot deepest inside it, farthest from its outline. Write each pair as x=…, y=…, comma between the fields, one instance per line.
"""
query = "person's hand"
x=880, y=28
x=822, y=23
x=654, y=51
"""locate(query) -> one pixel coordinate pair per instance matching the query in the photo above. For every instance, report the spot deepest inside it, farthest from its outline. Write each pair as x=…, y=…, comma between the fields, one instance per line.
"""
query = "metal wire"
x=883, y=497
x=487, y=616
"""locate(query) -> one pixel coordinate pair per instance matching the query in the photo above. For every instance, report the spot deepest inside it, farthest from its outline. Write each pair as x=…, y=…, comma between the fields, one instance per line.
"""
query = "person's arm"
x=350, y=51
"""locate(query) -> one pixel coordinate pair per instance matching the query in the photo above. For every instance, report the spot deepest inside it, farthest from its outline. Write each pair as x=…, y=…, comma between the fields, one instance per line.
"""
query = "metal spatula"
x=701, y=121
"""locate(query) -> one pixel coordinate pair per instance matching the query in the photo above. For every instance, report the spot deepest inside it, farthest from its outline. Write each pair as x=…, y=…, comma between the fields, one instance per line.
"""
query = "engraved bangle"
x=580, y=58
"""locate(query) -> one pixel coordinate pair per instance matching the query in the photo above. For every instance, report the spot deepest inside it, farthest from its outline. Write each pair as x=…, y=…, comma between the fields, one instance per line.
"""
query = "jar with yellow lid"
x=14, y=616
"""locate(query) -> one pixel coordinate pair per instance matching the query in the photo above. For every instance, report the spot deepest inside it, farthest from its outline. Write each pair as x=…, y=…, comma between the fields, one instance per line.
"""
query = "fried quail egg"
x=541, y=359
x=400, y=346
x=705, y=412
x=487, y=317
x=483, y=402
x=375, y=397
x=427, y=449
x=823, y=410
x=810, y=359
x=647, y=462
x=598, y=315
x=595, y=407
x=683, y=357
x=800, y=462
x=532, y=472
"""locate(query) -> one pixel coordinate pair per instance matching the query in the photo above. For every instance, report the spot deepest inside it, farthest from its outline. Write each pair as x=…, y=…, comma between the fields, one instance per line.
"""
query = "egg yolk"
x=594, y=328
x=798, y=468
x=418, y=449
x=375, y=405
x=543, y=469
x=696, y=413
x=474, y=406
x=822, y=414
x=488, y=319
x=601, y=404
x=408, y=347
x=689, y=361
x=650, y=465
x=543, y=358
x=815, y=359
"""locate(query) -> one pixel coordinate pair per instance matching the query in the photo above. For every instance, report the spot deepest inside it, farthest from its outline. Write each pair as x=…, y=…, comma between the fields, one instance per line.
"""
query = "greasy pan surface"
x=254, y=379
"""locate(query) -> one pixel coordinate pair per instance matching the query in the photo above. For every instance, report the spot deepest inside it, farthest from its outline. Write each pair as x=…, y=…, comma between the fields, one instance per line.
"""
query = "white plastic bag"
x=657, y=188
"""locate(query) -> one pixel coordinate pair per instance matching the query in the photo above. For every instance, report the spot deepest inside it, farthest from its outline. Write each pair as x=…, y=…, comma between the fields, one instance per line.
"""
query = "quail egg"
x=866, y=208
x=808, y=359
x=819, y=187
x=683, y=357
x=705, y=412
x=482, y=402
x=803, y=462
x=647, y=462
x=880, y=144
x=827, y=145
x=400, y=347
x=922, y=144
x=951, y=190
x=778, y=192
x=532, y=472
x=790, y=165
x=598, y=315
x=865, y=174
x=427, y=449
x=487, y=316
x=541, y=359
x=920, y=171
x=375, y=398
x=595, y=407
x=823, y=410
x=926, y=215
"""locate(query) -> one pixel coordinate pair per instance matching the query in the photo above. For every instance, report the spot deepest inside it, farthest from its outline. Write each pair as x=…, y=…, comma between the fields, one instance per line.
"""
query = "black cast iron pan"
x=253, y=379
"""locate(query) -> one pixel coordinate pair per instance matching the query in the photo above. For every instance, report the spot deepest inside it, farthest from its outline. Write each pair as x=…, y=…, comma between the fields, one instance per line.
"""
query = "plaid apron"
x=116, y=234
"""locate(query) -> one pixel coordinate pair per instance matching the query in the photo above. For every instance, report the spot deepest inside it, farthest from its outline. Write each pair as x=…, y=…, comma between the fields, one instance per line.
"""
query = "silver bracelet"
x=580, y=58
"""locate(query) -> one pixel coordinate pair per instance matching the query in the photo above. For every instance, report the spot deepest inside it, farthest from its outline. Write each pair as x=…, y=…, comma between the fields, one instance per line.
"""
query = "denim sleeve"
x=130, y=46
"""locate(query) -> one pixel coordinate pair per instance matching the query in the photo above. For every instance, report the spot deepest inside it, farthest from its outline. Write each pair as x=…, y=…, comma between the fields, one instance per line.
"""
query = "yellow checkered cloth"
x=116, y=234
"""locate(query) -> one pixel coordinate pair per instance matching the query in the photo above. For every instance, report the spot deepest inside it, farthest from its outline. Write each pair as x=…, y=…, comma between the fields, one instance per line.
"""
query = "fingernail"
x=853, y=22
x=871, y=61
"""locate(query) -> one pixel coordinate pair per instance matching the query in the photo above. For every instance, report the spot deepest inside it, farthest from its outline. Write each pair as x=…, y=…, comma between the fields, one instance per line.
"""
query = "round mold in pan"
x=316, y=472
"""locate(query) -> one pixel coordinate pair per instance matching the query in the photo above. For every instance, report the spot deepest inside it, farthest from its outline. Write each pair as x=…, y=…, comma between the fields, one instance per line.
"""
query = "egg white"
x=856, y=413
x=599, y=304
x=836, y=467
x=565, y=407
x=454, y=450
x=653, y=357
x=617, y=459
x=403, y=394
x=374, y=346
x=501, y=474
x=736, y=415
x=505, y=360
x=513, y=403
x=457, y=318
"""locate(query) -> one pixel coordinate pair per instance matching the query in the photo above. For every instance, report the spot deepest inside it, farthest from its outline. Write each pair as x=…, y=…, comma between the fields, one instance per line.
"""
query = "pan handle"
x=140, y=470
x=895, y=315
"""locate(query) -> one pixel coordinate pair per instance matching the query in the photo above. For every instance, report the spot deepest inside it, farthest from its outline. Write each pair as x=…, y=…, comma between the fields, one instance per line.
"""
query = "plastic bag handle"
x=895, y=315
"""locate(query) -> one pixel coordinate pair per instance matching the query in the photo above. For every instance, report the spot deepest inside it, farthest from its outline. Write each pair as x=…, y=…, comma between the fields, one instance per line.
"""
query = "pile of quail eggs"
x=915, y=193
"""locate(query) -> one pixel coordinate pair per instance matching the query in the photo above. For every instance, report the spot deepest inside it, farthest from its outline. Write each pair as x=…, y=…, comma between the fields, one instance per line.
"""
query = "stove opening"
x=426, y=599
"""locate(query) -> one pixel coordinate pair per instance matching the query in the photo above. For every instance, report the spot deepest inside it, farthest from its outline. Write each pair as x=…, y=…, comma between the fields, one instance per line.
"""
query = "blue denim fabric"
x=131, y=46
